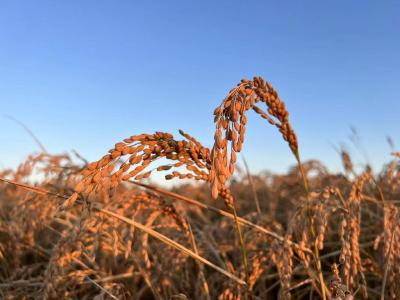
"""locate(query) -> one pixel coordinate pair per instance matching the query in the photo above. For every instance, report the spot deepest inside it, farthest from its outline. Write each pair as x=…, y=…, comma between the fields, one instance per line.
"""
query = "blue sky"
x=85, y=74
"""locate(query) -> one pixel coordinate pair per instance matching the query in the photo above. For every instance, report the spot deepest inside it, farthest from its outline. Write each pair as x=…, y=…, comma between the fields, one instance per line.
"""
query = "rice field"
x=73, y=229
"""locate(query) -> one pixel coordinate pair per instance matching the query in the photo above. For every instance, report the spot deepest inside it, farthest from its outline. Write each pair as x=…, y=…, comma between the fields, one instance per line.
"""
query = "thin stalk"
x=253, y=188
x=26, y=128
x=387, y=264
x=379, y=190
x=311, y=226
x=241, y=242
x=201, y=269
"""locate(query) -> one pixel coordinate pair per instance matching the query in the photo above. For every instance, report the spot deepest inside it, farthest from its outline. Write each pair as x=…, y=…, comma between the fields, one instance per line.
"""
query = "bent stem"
x=253, y=188
x=311, y=226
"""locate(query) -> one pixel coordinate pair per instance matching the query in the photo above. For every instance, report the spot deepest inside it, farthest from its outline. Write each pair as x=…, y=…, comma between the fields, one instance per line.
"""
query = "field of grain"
x=72, y=229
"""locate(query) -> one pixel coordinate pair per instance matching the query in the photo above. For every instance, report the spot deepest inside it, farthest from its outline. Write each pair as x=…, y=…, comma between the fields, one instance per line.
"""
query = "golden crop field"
x=73, y=229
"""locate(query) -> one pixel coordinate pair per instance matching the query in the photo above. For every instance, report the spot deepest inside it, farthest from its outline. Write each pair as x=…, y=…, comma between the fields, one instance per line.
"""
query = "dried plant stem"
x=379, y=190
x=311, y=227
x=30, y=132
x=253, y=188
x=101, y=288
x=201, y=273
x=147, y=280
x=386, y=268
x=39, y=282
x=241, y=242
x=387, y=264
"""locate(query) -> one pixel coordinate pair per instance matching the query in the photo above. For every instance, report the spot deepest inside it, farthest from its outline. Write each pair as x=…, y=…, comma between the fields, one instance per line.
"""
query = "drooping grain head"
x=350, y=233
x=231, y=119
x=339, y=291
x=392, y=248
x=131, y=159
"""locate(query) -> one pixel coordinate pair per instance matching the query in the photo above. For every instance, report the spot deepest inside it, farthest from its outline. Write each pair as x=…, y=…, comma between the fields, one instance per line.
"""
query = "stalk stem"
x=241, y=242
x=311, y=226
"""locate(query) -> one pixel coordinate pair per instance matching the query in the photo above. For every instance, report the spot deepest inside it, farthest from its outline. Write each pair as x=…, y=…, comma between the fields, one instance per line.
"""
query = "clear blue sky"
x=86, y=74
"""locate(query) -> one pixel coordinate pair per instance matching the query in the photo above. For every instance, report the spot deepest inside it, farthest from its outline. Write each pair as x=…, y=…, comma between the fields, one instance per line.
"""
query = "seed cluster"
x=392, y=246
x=231, y=119
x=133, y=156
x=339, y=291
x=346, y=161
x=350, y=232
x=283, y=259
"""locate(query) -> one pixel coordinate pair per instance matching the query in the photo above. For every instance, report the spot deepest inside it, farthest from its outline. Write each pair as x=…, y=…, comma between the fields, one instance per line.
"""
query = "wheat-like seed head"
x=392, y=247
x=346, y=161
x=129, y=159
x=350, y=233
x=231, y=119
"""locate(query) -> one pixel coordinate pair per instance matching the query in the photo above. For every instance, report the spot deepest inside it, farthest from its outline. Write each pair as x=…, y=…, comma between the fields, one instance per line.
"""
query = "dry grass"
x=97, y=231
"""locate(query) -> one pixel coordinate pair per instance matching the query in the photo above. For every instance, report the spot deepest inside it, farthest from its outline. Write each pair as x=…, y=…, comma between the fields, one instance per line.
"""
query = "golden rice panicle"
x=350, y=233
x=277, y=110
x=347, y=162
x=131, y=158
x=339, y=291
x=392, y=248
x=282, y=257
x=258, y=261
x=226, y=195
x=321, y=221
x=70, y=201
x=229, y=294
x=230, y=122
